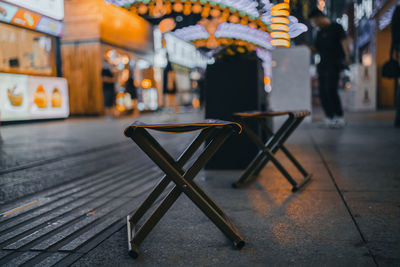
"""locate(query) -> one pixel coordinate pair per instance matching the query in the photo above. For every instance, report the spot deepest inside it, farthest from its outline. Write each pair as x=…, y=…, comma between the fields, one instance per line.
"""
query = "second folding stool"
x=275, y=142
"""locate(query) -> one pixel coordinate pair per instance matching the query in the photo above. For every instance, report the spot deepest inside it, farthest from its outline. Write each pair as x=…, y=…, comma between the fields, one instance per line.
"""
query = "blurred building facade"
x=30, y=60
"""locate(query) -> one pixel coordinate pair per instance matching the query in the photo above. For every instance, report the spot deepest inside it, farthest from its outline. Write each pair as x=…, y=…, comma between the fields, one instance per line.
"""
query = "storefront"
x=185, y=59
x=383, y=12
x=96, y=32
x=30, y=62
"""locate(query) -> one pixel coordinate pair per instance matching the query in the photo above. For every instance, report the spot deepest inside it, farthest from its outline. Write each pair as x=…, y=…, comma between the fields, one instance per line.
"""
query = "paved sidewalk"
x=82, y=177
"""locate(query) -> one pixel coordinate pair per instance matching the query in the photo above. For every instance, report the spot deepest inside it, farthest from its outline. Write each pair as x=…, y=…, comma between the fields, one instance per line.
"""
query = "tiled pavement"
x=76, y=181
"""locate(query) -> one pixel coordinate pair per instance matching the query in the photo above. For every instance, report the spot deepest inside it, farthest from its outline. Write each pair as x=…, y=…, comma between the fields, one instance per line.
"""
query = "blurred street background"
x=75, y=73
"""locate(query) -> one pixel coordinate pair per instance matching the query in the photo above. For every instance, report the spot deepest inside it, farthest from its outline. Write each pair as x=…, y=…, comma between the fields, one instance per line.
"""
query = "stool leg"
x=183, y=159
x=250, y=174
x=183, y=185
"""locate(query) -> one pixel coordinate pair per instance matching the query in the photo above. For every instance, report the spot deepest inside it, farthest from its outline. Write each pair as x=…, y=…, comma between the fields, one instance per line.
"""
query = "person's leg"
x=397, y=119
x=336, y=103
x=323, y=80
x=136, y=111
x=175, y=104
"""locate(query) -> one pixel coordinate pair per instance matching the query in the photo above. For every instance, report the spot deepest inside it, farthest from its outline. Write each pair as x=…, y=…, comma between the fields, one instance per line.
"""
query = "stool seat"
x=269, y=114
x=181, y=127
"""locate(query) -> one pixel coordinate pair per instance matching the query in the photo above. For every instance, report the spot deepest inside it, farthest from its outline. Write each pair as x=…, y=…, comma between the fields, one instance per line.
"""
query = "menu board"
x=7, y=12
x=30, y=20
x=51, y=8
x=24, y=97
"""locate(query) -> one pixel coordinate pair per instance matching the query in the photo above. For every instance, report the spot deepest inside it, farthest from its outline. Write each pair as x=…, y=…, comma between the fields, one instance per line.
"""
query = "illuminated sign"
x=7, y=12
x=25, y=19
x=24, y=97
x=363, y=9
x=30, y=20
x=51, y=8
x=50, y=26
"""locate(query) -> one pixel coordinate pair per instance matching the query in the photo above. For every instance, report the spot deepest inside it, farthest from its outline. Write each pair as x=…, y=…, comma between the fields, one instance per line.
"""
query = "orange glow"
x=132, y=32
x=142, y=9
x=267, y=81
x=178, y=7
x=215, y=12
x=234, y=19
x=280, y=27
x=280, y=7
x=280, y=13
x=26, y=19
x=197, y=8
x=280, y=43
x=188, y=9
x=279, y=20
x=120, y=102
x=195, y=103
x=253, y=25
x=146, y=84
x=167, y=25
x=280, y=35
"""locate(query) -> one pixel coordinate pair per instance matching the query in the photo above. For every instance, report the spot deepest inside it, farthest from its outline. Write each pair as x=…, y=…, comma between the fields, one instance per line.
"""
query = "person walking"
x=169, y=87
x=108, y=90
x=131, y=89
x=332, y=46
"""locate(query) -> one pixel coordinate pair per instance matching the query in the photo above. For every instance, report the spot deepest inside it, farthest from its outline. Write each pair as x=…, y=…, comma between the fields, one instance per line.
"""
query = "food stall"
x=29, y=61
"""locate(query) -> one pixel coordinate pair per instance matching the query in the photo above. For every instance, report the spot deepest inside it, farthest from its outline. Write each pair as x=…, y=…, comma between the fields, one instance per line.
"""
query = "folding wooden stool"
x=216, y=132
x=275, y=142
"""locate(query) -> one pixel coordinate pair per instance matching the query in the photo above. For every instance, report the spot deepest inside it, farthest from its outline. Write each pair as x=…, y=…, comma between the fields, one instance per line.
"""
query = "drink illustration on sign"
x=3, y=11
x=14, y=97
x=56, y=98
x=40, y=97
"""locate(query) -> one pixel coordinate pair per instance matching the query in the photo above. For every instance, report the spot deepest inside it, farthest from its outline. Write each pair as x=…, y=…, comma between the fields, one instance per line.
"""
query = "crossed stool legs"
x=275, y=142
x=183, y=179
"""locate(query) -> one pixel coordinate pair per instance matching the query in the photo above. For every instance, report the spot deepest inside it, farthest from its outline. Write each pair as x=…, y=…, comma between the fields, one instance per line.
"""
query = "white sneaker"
x=326, y=123
x=338, y=123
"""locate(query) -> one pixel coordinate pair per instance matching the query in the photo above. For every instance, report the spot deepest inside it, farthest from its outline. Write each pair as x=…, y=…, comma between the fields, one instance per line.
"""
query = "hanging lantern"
x=168, y=7
x=178, y=7
x=197, y=8
x=215, y=12
x=225, y=15
x=206, y=11
x=280, y=13
x=234, y=19
x=142, y=9
x=280, y=42
x=187, y=9
x=167, y=25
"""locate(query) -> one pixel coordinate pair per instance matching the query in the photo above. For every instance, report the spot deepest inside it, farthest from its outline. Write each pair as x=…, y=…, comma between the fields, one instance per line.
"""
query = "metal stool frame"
x=275, y=142
x=184, y=183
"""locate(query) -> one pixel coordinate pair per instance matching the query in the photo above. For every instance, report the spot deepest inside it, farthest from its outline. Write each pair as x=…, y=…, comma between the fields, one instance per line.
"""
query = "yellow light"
x=267, y=81
x=280, y=6
x=188, y=9
x=142, y=9
x=279, y=27
x=197, y=8
x=253, y=25
x=280, y=13
x=234, y=19
x=206, y=11
x=215, y=12
x=279, y=20
x=280, y=42
x=196, y=103
x=146, y=83
x=178, y=7
x=280, y=35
